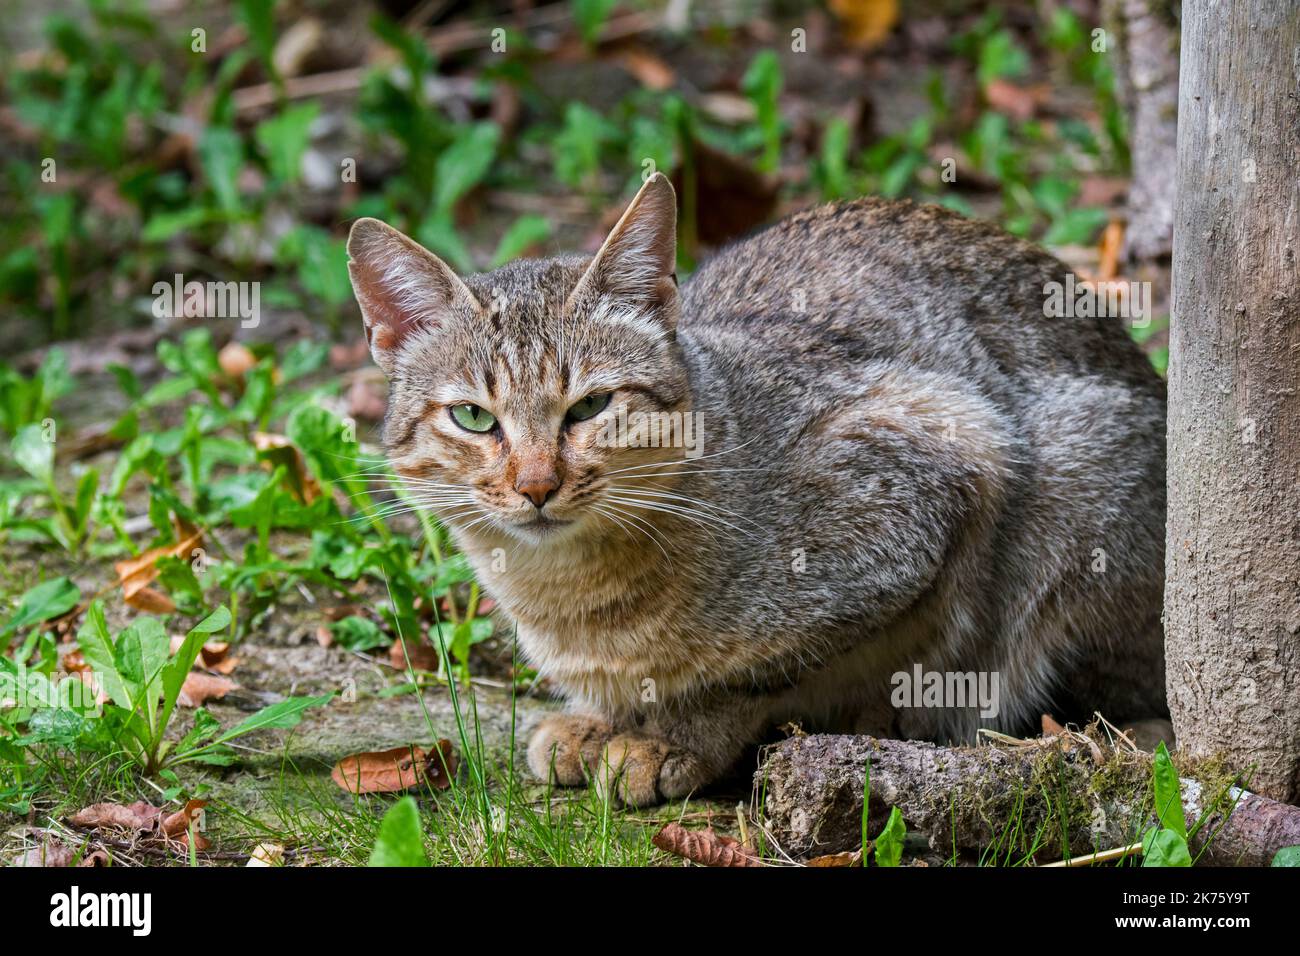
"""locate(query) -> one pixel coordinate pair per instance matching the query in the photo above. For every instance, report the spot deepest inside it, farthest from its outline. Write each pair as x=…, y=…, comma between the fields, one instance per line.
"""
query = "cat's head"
x=505, y=388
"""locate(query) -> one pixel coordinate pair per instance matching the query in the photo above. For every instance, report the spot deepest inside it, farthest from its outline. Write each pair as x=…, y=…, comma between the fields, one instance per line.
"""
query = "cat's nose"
x=537, y=488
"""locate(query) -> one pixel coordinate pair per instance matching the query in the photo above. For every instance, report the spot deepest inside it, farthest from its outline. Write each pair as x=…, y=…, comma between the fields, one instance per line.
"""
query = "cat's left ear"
x=637, y=263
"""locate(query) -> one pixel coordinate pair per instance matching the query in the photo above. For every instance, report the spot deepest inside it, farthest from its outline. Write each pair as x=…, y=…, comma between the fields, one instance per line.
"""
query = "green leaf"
x=287, y=713
x=97, y=649
x=889, y=845
x=47, y=600
x=1162, y=847
x=590, y=15
x=221, y=151
x=528, y=230
x=401, y=838
x=1168, y=794
x=285, y=138
x=358, y=634
x=1287, y=856
x=182, y=662
x=464, y=164
x=34, y=452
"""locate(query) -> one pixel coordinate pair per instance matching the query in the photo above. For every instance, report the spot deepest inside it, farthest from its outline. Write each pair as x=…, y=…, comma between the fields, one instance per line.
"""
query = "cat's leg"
x=677, y=750
x=566, y=748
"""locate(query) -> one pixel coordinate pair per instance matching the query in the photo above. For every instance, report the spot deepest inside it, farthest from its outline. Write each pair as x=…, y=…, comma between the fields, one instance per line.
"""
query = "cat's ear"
x=638, y=261
x=401, y=287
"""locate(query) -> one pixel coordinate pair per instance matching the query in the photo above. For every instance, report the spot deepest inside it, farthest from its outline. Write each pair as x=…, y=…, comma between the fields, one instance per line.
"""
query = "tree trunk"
x=1232, y=594
x=1040, y=802
x=1146, y=72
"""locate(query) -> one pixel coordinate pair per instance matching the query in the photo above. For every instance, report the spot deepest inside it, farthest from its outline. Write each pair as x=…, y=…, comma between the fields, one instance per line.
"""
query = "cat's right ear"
x=401, y=287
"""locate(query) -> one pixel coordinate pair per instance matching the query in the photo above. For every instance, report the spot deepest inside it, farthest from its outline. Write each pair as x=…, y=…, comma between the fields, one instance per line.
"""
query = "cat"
x=902, y=467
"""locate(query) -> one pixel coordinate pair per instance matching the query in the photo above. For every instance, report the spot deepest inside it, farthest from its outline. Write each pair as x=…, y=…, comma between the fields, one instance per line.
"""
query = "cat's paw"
x=565, y=748
x=637, y=770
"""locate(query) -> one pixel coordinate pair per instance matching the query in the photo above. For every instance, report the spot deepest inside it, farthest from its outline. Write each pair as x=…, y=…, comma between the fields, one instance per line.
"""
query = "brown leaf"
x=137, y=816
x=50, y=853
x=650, y=71
x=847, y=858
x=199, y=688
x=277, y=450
x=266, y=854
x=401, y=768
x=366, y=400
x=1017, y=102
x=1112, y=242
x=151, y=601
x=423, y=656
x=236, y=359
x=731, y=198
x=175, y=824
x=135, y=574
x=866, y=22
x=703, y=846
x=214, y=655
x=1050, y=727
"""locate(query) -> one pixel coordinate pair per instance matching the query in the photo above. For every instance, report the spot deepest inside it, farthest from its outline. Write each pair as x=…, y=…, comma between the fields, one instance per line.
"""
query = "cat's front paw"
x=565, y=748
x=638, y=770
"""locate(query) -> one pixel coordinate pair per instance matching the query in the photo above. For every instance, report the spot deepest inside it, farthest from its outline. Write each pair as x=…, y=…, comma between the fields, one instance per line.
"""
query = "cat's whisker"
x=678, y=461
x=644, y=527
x=659, y=493
x=702, y=518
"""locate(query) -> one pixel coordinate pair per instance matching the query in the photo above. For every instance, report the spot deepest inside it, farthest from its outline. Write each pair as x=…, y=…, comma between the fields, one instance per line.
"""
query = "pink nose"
x=537, y=488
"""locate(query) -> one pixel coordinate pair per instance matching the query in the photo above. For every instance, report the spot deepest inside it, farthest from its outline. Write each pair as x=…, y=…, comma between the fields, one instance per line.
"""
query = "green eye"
x=591, y=405
x=472, y=418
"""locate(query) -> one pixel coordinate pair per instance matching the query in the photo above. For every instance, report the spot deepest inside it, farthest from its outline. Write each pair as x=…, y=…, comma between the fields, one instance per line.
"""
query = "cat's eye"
x=588, y=407
x=472, y=418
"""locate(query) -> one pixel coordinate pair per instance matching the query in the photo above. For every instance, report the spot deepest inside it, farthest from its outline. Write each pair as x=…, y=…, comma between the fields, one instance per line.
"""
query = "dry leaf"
x=267, y=854
x=135, y=574
x=174, y=824
x=366, y=400
x=649, y=70
x=423, y=656
x=199, y=688
x=1050, y=727
x=731, y=197
x=847, y=858
x=277, y=450
x=1112, y=241
x=151, y=601
x=401, y=768
x=137, y=816
x=703, y=846
x=51, y=853
x=214, y=655
x=236, y=360
x=1017, y=102
x=866, y=22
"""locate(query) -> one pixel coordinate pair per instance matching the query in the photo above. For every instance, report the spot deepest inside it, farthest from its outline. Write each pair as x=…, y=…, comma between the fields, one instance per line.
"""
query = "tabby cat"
x=898, y=465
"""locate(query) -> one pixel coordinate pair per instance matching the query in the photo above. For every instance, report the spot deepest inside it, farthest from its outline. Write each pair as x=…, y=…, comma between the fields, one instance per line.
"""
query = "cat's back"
x=878, y=279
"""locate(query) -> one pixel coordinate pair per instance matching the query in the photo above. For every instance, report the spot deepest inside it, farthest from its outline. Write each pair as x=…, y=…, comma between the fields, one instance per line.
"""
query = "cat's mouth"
x=542, y=523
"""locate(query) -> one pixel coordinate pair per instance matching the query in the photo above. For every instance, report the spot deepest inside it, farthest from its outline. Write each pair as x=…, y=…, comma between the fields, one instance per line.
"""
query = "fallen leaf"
x=703, y=846
x=135, y=574
x=847, y=858
x=423, y=656
x=277, y=450
x=401, y=768
x=214, y=655
x=236, y=359
x=267, y=854
x=1108, y=250
x=199, y=688
x=175, y=824
x=650, y=70
x=151, y=601
x=866, y=22
x=50, y=853
x=731, y=197
x=365, y=400
x=136, y=816
x=1017, y=102
x=1050, y=727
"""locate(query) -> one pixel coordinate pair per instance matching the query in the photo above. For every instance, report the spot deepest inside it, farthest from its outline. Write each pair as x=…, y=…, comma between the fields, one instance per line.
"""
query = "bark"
x=1043, y=801
x=1232, y=596
x=1146, y=73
